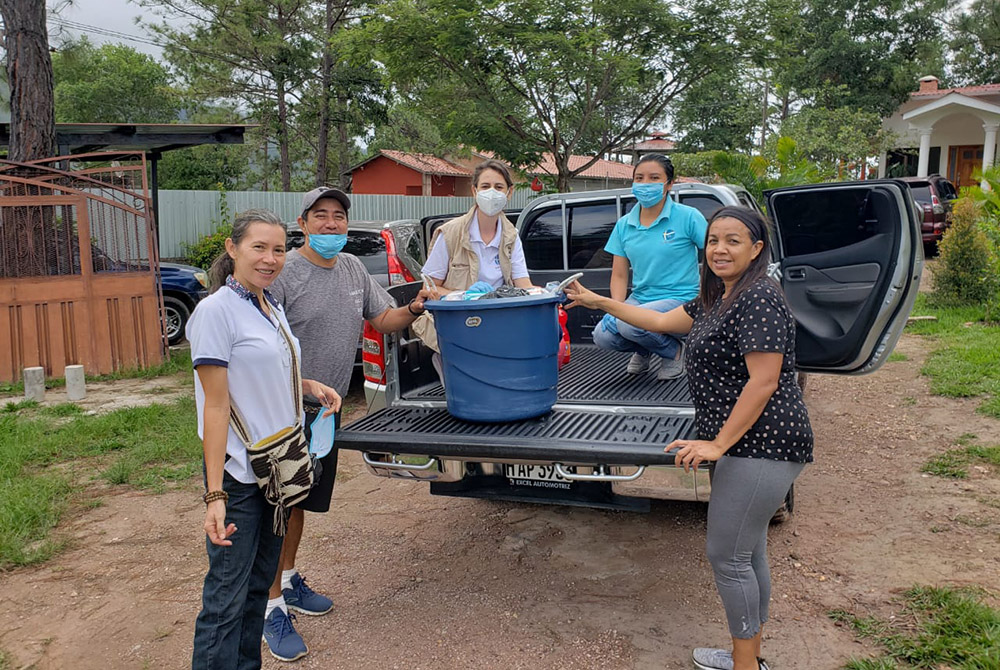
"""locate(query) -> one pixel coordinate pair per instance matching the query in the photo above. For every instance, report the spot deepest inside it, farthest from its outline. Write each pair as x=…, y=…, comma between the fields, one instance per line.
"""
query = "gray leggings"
x=746, y=492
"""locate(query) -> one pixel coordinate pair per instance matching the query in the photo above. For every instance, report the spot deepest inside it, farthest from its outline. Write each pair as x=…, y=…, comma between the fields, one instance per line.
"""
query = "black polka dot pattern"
x=758, y=320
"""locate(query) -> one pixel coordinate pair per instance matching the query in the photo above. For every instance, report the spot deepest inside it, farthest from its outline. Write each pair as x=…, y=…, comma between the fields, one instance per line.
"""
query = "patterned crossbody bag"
x=281, y=463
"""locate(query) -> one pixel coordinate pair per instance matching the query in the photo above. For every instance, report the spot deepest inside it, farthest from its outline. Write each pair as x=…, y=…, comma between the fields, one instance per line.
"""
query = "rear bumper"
x=478, y=479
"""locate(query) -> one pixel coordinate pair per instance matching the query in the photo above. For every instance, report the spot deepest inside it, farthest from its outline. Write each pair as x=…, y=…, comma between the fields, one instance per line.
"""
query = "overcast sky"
x=116, y=16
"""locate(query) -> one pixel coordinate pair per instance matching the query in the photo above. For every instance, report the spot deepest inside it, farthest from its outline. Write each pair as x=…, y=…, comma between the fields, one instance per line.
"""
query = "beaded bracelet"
x=212, y=496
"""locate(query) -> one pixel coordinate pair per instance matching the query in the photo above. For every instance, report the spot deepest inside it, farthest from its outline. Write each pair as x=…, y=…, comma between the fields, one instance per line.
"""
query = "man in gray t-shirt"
x=327, y=296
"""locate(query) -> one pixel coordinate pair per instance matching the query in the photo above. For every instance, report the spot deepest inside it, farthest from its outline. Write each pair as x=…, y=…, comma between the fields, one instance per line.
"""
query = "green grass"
x=940, y=628
x=180, y=361
x=955, y=463
x=145, y=447
x=14, y=407
x=62, y=409
x=967, y=361
x=897, y=356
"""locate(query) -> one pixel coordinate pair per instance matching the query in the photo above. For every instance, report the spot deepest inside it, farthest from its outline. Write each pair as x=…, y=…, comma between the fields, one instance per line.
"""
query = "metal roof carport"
x=151, y=138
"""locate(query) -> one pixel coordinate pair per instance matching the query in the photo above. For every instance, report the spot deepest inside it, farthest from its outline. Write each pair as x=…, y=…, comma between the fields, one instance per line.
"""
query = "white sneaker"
x=712, y=659
x=671, y=368
x=638, y=364
x=718, y=659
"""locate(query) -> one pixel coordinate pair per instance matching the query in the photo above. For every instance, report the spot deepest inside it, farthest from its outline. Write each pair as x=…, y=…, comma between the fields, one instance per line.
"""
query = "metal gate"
x=78, y=266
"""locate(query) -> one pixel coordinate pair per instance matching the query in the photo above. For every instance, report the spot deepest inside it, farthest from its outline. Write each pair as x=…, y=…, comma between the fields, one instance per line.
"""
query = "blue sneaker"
x=303, y=599
x=282, y=640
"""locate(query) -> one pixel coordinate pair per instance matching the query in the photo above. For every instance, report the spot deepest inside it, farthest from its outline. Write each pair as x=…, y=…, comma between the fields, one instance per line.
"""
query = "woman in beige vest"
x=479, y=246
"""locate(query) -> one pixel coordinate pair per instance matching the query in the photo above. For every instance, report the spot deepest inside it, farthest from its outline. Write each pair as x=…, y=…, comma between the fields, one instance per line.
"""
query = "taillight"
x=936, y=205
x=398, y=272
x=373, y=354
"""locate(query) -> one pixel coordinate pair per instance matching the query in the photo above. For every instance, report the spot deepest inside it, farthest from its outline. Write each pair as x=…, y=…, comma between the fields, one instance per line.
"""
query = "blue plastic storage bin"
x=500, y=356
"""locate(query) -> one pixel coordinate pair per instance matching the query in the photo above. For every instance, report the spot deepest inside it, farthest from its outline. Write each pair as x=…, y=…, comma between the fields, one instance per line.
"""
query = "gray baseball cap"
x=310, y=198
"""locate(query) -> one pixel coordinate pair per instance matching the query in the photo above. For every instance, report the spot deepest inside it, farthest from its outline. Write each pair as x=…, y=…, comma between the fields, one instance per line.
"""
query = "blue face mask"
x=327, y=246
x=648, y=194
x=322, y=429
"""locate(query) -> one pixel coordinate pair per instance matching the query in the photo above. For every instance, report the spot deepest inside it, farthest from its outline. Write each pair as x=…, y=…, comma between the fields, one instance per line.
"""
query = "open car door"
x=851, y=258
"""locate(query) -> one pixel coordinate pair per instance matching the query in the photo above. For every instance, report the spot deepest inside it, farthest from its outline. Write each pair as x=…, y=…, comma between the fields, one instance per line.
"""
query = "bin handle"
x=566, y=282
x=601, y=475
x=394, y=465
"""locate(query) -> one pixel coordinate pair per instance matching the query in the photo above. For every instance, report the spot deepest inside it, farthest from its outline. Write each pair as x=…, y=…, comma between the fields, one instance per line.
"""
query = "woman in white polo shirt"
x=240, y=355
x=479, y=247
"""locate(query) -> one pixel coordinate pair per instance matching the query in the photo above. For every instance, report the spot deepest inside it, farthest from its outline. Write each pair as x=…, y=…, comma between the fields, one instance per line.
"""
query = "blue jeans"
x=637, y=340
x=228, y=630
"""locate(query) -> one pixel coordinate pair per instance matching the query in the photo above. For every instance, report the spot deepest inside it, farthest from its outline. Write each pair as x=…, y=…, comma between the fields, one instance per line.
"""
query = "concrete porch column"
x=989, y=148
x=925, y=151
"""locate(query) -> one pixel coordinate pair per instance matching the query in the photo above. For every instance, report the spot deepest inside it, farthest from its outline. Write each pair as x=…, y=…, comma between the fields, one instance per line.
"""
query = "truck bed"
x=602, y=415
x=597, y=376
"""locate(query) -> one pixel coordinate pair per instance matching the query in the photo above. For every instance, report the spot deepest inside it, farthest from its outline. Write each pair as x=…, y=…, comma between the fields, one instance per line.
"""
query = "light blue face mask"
x=322, y=428
x=327, y=246
x=648, y=194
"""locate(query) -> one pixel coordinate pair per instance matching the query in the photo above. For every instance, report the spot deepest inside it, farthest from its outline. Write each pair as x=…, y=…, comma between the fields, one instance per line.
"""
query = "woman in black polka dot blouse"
x=749, y=414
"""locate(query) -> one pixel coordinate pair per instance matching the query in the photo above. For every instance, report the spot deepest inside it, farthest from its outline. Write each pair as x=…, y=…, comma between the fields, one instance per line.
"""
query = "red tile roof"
x=427, y=163
x=602, y=169
x=986, y=89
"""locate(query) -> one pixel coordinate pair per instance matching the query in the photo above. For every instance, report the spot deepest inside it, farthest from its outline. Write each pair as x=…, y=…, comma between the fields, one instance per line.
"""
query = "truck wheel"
x=784, y=512
x=175, y=317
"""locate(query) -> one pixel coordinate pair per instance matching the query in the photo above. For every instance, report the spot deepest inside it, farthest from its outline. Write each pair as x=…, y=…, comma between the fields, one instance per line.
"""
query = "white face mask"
x=491, y=201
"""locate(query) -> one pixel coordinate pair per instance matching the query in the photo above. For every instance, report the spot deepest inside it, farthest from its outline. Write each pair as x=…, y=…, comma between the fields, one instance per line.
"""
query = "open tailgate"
x=567, y=434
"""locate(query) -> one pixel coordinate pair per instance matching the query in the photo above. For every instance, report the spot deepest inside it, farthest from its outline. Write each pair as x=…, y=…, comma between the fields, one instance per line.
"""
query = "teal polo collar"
x=633, y=216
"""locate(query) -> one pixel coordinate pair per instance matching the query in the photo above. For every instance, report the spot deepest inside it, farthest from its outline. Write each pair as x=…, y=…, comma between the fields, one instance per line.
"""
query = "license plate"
x=539, y=476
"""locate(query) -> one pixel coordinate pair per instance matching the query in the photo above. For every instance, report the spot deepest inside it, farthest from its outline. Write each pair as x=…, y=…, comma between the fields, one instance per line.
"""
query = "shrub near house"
x=969, y=268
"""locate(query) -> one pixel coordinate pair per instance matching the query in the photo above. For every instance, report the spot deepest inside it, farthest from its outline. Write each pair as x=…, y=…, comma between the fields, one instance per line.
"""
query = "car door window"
x=542, y=238
x=704, y=203
x=370, y=249
x=841, y=248
x=589, y=228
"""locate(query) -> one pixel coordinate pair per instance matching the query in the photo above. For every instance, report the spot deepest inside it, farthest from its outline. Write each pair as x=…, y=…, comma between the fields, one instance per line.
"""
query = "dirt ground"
x=428, y=582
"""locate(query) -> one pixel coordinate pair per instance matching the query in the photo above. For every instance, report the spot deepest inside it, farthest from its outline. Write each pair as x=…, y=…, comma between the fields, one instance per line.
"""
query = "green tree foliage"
x=829, y=133
x=788, y=167
x=202, y=253
x=876, y=49
x=967, y=268
x=408, y=129
x=720, y=112
x=252, y=53
x=975, y=44
x=700, y=165
x=527, y=77
x=111, y=83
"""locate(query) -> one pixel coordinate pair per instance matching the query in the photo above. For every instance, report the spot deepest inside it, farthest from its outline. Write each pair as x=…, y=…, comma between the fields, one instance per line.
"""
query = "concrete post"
x=925, y=152
x=76, y=385
x=34, y=384
x=989, y=148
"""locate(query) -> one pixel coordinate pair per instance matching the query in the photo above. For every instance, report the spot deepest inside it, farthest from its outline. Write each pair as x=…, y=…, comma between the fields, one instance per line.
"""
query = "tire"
x=175, y=316
x=784, y=512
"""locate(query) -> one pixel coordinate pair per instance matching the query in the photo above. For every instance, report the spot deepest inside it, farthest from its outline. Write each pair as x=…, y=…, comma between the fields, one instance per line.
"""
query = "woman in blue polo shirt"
x=658, y=241
x=241, y=349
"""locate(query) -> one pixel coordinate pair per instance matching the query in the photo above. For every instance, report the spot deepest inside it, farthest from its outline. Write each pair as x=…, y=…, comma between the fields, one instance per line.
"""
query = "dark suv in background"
x=934, y=194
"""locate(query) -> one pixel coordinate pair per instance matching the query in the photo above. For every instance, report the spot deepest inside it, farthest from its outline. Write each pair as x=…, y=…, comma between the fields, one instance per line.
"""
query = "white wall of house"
x=959, y=127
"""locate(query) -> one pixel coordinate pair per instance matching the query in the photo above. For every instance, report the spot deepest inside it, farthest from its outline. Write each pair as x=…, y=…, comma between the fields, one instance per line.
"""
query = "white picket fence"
x=186, y=216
